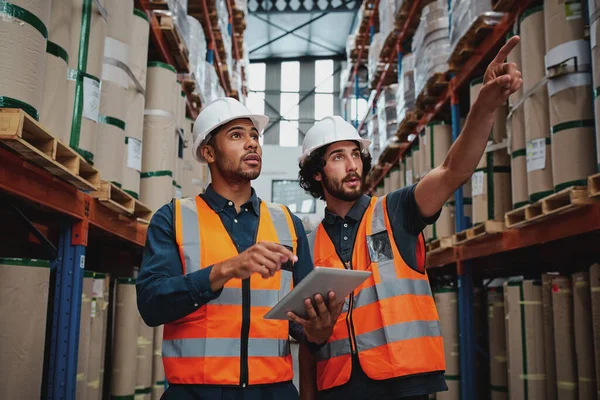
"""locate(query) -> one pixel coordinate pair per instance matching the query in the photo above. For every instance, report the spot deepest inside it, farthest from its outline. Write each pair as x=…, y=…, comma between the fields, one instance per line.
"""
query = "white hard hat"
x=330, y=130
x=218, y=113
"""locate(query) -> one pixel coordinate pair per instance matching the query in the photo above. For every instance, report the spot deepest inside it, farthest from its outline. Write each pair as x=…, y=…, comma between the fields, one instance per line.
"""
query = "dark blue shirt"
x=164, y=294
x=407, y=224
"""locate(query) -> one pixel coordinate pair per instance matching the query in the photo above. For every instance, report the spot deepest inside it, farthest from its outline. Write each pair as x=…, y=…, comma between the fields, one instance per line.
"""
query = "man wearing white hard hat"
x=387, y=342
x=213, y=265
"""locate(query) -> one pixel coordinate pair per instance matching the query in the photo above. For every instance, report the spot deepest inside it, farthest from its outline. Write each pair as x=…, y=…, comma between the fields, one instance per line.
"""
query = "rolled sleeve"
x=164, y=294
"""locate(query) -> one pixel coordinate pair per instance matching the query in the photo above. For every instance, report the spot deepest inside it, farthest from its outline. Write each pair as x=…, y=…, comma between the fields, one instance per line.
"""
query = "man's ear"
x=208, y=152
x=318, y=177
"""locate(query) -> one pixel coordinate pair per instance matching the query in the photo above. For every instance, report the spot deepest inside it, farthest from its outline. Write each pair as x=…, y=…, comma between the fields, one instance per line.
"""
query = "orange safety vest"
x=390, y=320
x=227, y=341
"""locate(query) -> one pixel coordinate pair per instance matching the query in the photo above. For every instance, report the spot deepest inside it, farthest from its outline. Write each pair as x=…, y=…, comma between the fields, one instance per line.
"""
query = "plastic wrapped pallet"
x=24, y=285
x=178, y=10
x=374, y=135
x=464, y=13
x=497, y=344
x=549, y=350
x=134, y=121
x=86, y=53
x=386, y=111
x=564, y=338
x=571, y=110
x=584, y=335
x=516, y=140
x=110, y=142
x=491, y=187
x=196, y=44
x=158, y=372
x=595, y=295
x=158, y=153
x=446, y=300
x=210, y=89
x=85, y=325
x=374, y=52
x=387, y=16
x=594, y=6
x=99, y=324
x=431, y=43
x=537, y=117
x=24, y=29
x=524, y=339
x=405, y=96
x=145, y=353
x=125, y=339
x=53, y=112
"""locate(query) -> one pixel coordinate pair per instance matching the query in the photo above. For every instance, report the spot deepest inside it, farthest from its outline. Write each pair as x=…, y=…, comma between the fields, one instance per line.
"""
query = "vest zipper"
x=245, y=332
x=349, y=322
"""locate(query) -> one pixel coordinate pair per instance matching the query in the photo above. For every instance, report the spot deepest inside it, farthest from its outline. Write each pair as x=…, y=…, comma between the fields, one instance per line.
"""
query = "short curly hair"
x=314, y=164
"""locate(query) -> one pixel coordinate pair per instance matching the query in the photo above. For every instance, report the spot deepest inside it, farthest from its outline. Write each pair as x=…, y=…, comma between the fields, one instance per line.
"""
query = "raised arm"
x=500, y=81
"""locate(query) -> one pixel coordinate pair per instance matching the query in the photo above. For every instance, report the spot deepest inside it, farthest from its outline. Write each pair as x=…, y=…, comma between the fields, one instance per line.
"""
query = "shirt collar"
x=218, y=202
x=356, y=212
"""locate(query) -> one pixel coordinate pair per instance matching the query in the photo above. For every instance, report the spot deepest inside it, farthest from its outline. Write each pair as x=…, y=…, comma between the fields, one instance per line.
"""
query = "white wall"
x=282, y=163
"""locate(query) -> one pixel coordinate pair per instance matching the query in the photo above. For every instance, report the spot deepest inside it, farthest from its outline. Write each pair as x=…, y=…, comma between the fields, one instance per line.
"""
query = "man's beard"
x=336, y=187
x=229, y=171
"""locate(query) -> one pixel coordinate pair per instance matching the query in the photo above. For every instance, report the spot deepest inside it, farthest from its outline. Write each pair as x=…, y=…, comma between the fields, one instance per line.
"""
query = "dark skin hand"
x=319, y=325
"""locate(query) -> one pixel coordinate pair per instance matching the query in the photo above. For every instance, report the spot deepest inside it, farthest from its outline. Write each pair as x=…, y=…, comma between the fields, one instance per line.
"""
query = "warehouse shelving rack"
x=459, y=259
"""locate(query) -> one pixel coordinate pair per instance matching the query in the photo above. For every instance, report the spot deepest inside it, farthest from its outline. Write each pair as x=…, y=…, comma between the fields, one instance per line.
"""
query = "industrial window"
x=289, y=193
x=288, y=107
x=256, y=83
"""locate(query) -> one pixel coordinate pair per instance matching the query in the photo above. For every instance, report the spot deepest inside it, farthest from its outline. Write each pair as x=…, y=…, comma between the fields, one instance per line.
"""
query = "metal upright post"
x=465, y=285
x=210, y=54
x=62, y=374
x=356, y=95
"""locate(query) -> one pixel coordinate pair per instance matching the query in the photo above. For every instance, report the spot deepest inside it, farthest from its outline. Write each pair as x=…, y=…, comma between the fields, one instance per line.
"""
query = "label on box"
x=477, y=183
x=573, y=10
x=98, y=288
x=409, y=177
x=91, y=99
x=82, y=262
x=536, y=154
x=94, y=307
x=134, y=154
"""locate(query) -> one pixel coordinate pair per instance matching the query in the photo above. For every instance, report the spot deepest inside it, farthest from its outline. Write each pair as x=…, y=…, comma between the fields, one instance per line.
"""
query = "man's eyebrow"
x=233, y=128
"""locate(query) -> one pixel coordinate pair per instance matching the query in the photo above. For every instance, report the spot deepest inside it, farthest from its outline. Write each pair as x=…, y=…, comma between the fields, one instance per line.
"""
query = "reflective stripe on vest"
x=226, y=347
x=385, y=335
x=191, y=235
x=258, y=297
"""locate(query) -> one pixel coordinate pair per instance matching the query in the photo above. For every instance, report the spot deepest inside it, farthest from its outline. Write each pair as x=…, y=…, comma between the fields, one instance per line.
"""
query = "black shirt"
x=407, y=224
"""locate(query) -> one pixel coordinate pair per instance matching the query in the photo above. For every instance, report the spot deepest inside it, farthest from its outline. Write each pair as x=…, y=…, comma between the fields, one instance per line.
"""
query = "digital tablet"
x=320, y=281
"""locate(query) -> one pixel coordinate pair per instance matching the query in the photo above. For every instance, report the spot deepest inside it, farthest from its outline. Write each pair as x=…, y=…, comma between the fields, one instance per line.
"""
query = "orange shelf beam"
x=576, y=222
x=25, y=180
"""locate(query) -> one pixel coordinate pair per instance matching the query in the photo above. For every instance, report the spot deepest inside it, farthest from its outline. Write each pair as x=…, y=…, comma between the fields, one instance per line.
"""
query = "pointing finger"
x=506, y=49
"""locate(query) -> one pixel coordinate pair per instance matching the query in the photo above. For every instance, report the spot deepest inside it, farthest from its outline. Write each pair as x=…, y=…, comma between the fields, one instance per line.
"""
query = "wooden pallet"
x=594, y=186
x=566, y=200
x=460, y=237
x=523, y=215
x=158, y=5
x=188, y=84
x=113, y=197
x=408, y=124
x=468, y=44
x=141, y=212
x=439, y=245
x=487, y=228
x=435, y=85
x=388, y=46
x=176, y=45
x=23, y=134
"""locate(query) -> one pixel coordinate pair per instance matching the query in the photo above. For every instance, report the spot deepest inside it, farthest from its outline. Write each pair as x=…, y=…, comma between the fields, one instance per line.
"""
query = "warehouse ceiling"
x=286, y=29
